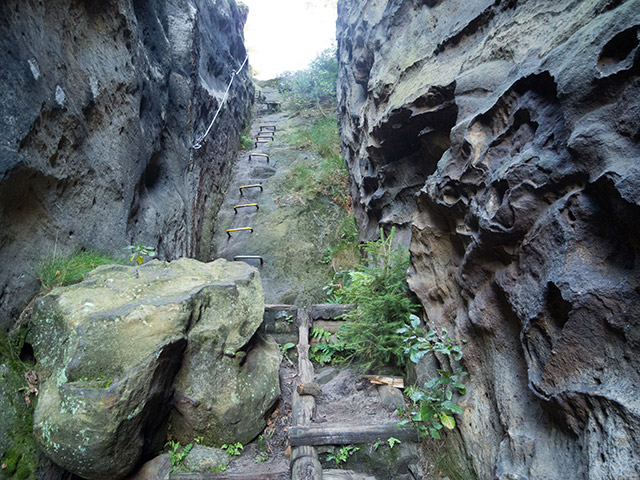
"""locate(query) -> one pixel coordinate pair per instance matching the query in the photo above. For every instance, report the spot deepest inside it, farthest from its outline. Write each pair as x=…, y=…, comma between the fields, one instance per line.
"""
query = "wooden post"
x=305, y=464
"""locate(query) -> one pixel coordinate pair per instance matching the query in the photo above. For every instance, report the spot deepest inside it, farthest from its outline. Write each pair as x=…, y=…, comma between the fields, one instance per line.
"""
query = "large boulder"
x=108, y=350
x=228, y=381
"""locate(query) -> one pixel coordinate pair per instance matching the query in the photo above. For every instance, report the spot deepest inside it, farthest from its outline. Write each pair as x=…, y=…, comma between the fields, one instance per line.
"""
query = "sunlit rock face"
x=99, y=105
x=502, y=139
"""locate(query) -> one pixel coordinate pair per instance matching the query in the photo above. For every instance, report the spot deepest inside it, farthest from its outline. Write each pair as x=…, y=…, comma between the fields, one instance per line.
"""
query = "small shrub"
x=342, y=454
x=233, y=449
x=314, y=86
x=382, y=305
x=70, y=269
x=177, y=454
x=139, y=251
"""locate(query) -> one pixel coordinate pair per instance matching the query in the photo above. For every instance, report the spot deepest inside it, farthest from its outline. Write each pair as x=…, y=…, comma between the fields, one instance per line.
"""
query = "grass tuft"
x=59, y=272
x=329, y=176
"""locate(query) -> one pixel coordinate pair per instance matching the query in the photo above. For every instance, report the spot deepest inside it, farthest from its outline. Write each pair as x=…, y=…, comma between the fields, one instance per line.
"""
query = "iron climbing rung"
x=259, y=155
x=248, y=257
x=255, y=185
x=260, y=141
x=244, y=205
x=269, y=134
x=271, y=128
x=241, y=229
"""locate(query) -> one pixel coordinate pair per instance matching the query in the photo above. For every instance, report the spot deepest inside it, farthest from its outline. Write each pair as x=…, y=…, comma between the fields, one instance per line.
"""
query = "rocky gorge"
x=501, y=139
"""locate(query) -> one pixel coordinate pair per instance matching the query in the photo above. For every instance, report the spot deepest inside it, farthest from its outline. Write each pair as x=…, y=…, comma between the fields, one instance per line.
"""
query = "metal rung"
x=256, y=185
x=248, y=257
x=236, y=207
x=260, y=141
x=271, y=128
x=259, y=155
x=261, y=136
x=241, y=229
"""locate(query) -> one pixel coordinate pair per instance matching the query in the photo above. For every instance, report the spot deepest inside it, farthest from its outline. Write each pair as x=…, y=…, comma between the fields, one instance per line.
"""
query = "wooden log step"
x=336, y=474
x=280, y=475
x=323, y=434
x=397, y=382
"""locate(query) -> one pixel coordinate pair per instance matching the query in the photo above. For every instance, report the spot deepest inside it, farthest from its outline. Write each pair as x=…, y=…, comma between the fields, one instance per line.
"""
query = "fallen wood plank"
x=310, y=388
x=322, y=434
x=397, y=382
x=280, y=475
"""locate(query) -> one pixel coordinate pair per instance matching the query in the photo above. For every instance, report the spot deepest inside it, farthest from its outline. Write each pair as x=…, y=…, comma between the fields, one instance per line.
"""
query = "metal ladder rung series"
x=240, y=229
x=248, y=257
x=255, y=185
x=245, y=205
x=264, y=155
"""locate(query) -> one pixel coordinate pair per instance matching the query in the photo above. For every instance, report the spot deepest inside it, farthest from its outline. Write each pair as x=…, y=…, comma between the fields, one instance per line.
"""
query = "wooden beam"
x=322, y=434
x=229, y=476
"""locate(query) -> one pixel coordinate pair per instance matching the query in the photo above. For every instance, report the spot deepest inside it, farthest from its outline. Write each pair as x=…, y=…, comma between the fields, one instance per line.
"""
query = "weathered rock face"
x=99, y=105
x=109, y=349
x=228, y=382
x=502, y=138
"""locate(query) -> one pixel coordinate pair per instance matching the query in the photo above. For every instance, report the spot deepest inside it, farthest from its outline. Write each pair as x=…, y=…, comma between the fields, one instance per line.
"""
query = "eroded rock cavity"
x=502, y=138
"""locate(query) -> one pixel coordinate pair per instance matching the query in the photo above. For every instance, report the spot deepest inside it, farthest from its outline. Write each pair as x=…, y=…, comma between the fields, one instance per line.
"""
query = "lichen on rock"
x=109, y=349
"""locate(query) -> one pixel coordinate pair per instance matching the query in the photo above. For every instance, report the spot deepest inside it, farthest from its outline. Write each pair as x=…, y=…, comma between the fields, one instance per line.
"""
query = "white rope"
x=198, y=143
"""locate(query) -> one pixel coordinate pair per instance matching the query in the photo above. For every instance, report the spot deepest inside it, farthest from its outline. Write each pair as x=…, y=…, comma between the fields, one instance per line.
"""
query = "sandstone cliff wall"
x=502, y=138
x=99, y=104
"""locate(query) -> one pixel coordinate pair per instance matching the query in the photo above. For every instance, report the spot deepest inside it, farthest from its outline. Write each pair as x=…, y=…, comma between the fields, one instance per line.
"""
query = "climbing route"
x=270, y=224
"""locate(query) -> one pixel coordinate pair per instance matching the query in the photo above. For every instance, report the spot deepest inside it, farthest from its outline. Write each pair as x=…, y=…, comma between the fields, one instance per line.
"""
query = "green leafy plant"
x=139, y=251
x=433, y=403
x=392, y=441
x=70, y=269
x=382, y=305
x=263, y=454
x=177, y=454
x=233, y=449
x=342, y=454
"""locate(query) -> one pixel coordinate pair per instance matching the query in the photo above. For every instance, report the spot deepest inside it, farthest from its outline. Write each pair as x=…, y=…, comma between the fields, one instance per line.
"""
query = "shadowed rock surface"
x=100, y=103
x=501, y=138
x=109, y=350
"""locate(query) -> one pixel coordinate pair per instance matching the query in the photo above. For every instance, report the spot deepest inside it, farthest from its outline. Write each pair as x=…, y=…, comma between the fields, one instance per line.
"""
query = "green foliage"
x=311, y=178
x=246, y=143
x=313, y=86
x=342, y=454
x=177, y=454
x=70, y=269
x=382, y=302
x=233, y=449
x=393, y=441
x=262, y=455
x=434, y=407
x=138, y=252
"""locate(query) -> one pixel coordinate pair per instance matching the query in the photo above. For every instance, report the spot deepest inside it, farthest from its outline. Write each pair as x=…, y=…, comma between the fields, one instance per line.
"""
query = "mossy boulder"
x=109, y=348
x=224, y=394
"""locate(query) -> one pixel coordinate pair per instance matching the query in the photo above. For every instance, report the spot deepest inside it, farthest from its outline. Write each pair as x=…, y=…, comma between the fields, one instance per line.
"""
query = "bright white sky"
x=287, y=34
